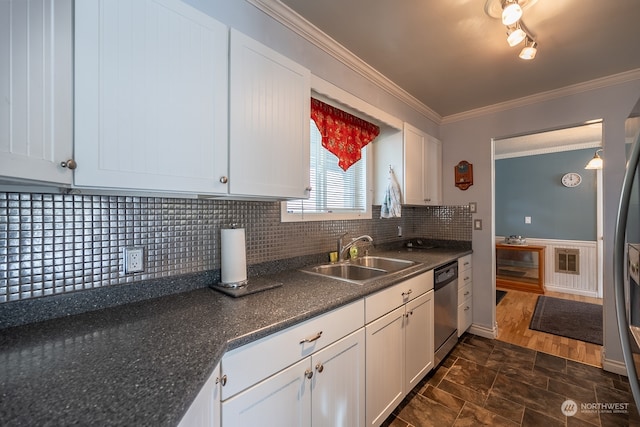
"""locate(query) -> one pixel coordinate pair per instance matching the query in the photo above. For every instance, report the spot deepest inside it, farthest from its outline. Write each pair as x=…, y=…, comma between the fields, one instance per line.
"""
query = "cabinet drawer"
x=464, y=292
x=388, y=299
x=465, y=316
x=255, y=361
x=464, y=263
x=464, y=278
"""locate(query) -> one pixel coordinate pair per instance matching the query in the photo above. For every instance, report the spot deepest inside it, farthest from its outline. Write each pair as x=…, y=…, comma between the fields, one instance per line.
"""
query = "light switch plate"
x=473, y=207
x=477, y=224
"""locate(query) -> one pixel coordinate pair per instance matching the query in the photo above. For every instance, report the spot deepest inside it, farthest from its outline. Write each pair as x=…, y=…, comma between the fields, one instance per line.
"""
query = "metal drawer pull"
x=466, y=308
x=409, y=292
x=308, y=373
x=222, y=380
x=466, y=263
x=466, y=293
x=312, y=339
x=319, y=367
x=467, y=278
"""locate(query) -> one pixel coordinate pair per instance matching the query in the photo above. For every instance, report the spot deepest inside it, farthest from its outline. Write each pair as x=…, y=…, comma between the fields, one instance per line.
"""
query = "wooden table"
x=520, y=267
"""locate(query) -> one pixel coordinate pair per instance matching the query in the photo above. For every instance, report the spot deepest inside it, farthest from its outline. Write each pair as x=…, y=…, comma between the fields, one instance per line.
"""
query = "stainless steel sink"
x=360, y=270
x=390, y=265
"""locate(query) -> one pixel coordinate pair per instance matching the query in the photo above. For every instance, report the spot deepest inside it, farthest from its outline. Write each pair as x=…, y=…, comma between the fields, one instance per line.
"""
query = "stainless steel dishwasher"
x=445, y=285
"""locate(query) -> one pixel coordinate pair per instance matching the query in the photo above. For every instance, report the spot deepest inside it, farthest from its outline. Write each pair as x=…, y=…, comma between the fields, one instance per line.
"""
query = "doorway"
x=532, y=203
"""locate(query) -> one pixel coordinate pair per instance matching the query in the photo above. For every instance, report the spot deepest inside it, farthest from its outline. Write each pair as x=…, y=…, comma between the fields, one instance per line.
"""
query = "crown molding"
x=296, y=23
x=575, y=89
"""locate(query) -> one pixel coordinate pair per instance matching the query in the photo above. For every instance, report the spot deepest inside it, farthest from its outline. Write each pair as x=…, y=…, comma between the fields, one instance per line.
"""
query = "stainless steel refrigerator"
x=627, y=256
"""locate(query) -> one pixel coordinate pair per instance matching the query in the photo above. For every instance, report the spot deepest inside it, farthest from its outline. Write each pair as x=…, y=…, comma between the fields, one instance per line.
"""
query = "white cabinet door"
x=36, y=89
x=422, y=167
x=205, y=409
x=282, y=400
x=338, y=385
x=269, y=104
x=419, y=339
x=433, y=171
x=414, y=156
x=384, y=365
x=150, y=96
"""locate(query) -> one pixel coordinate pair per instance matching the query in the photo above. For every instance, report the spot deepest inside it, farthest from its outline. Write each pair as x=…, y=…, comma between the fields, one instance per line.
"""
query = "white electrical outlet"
x=133, y=260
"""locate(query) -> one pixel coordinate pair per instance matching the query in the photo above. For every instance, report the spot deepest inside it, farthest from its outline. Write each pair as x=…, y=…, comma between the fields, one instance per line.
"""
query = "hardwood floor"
x=513, y=316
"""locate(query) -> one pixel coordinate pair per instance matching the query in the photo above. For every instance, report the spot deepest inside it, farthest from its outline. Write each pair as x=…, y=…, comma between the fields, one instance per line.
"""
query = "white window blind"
x=333, y=191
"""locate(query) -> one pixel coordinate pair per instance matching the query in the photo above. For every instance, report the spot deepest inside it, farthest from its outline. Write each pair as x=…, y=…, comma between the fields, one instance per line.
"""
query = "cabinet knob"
x=319, y=367
x=222, y=380
x=224, y=179
x=308, y=189
x=69, y=164
x=308, y=373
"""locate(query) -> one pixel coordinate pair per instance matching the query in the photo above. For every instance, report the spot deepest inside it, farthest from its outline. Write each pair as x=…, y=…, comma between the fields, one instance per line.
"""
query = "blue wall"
x=531, y=186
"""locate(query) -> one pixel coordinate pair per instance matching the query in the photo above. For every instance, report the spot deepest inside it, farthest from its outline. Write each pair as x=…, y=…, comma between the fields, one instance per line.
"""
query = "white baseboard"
x=570, y=291
x=483, y=331
x=615, y=366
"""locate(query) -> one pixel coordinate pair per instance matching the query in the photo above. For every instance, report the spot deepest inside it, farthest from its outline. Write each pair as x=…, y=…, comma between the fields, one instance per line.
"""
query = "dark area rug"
x=499, y=295
x=572, y=319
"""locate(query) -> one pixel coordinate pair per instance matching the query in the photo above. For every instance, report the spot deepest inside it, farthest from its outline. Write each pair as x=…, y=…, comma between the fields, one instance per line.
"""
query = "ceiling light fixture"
x=515, y=35
x=511, y=12
x=529, y=50
x=596, y=162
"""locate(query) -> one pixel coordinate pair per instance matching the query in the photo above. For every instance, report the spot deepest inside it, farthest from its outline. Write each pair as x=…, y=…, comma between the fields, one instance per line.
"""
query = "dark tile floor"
x=493, y=383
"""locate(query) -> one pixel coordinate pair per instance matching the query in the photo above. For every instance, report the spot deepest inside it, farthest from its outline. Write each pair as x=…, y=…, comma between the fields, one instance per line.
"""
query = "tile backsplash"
x=53, y=244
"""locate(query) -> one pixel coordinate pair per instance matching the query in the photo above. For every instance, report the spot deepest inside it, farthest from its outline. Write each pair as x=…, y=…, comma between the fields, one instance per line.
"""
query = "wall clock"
x=463, y=175
x=571, y=179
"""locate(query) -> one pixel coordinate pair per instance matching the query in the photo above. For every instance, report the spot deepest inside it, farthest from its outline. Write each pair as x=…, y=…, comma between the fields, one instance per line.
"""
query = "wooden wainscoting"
x=513, y=316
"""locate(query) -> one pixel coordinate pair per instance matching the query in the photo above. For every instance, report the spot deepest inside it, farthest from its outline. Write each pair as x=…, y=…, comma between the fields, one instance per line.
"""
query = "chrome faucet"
x=342, y=249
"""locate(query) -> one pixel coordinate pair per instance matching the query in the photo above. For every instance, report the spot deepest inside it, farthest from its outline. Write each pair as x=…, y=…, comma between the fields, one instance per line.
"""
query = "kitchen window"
x=335, y=194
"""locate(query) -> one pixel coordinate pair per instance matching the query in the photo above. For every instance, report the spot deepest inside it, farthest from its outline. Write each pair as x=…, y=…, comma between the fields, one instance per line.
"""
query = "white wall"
x=471, y=139
x=256, y=24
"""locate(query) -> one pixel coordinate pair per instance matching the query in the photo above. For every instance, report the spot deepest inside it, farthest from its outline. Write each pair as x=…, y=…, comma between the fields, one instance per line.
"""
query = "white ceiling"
x=453, y=57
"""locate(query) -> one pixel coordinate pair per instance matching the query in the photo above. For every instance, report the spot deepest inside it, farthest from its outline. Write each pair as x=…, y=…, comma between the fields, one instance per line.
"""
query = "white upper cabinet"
x=150, y=97
x=422, y=168
x=416, y=160
x=269, y=105
x=36, y=89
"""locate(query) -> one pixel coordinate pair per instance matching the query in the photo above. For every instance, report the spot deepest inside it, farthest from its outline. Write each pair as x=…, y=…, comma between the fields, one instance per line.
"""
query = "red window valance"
x=343, y=134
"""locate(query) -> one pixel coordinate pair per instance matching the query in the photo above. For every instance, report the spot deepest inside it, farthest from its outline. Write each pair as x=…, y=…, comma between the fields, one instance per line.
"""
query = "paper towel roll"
x=233, y=256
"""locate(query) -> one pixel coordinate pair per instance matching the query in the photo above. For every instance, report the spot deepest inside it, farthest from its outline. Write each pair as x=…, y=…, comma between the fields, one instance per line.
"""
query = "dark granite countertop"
x=143, y=363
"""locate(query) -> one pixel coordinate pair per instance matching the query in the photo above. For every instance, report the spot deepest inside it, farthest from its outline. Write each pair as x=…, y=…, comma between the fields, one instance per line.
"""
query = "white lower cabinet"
x=419, y=357
x=313, y=372
x=284, y=399
x=399, y=350
x=465, y=294
x=324, y=389
x=384, y=366
x=338, y=383
x=205, y=409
